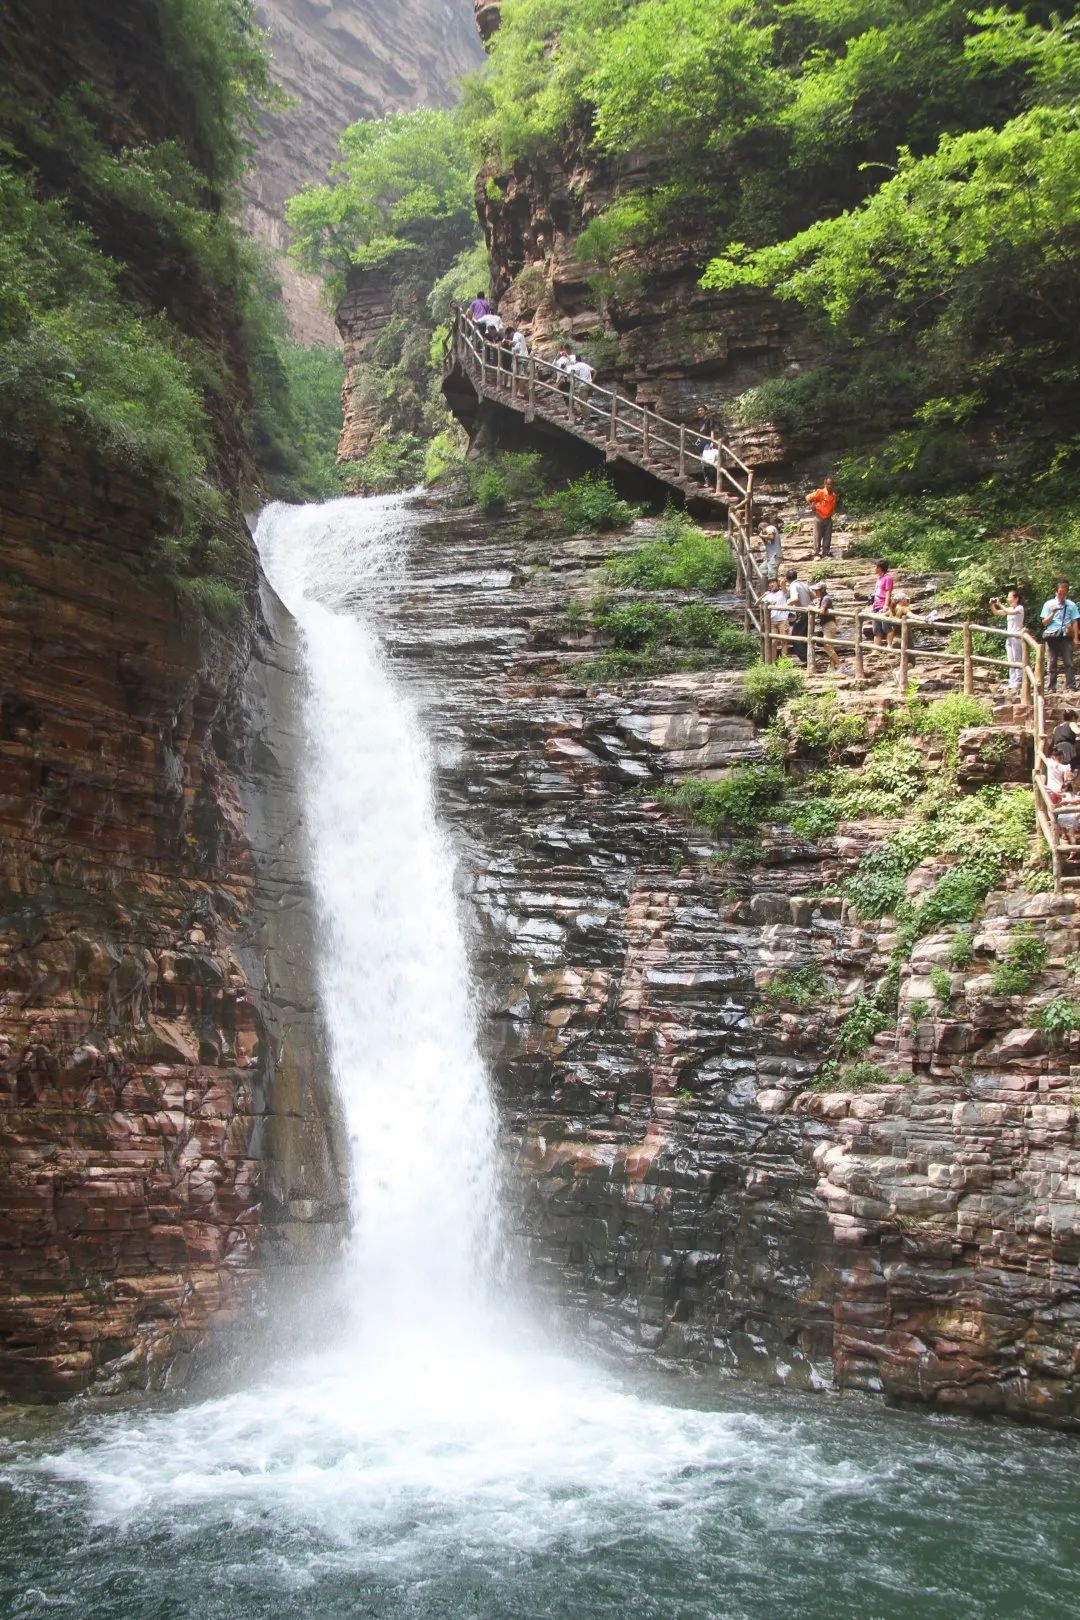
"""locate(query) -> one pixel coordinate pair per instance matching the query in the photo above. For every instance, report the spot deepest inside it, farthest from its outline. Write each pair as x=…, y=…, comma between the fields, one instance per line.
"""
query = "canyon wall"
x=159, y=1039
x=681, y=1183
x=651, y=330
x=340, y=63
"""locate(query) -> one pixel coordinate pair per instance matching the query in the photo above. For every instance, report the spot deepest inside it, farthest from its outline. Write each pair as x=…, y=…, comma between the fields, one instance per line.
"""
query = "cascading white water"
x=433, y=1458
x=396, y=987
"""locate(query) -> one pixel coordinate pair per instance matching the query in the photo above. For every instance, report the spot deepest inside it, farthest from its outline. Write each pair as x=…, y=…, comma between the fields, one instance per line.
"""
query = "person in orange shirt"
x=823, y=501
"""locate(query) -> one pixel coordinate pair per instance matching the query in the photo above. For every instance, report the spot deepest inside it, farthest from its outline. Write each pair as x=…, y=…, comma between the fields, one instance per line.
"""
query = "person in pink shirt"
x=881, y=603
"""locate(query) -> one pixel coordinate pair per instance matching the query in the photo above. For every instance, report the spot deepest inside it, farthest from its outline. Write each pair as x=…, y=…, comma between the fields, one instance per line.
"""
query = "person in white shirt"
x=799, y=599
x=775, y=600
x=514, y=342
x=1013, y=611
x=583, y=374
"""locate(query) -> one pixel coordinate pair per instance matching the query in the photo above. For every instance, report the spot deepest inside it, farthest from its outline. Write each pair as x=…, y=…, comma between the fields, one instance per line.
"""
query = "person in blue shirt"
x=1059, y=614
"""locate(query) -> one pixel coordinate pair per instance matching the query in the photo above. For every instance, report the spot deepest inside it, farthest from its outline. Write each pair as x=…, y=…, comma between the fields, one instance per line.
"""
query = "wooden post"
x=858, y=645
x=614, y=422
x=570, y=397
x=905, y=652
x=750, y=503
x=682, y=452
x=532, y=386
x=645, y=436
x=766, y=636
x=969, y=668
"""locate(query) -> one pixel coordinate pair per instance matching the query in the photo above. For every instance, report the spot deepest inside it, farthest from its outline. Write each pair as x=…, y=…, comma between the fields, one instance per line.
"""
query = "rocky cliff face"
x=678, y=1179
x=341, y=63
x=651, y=328
x=163, y=1126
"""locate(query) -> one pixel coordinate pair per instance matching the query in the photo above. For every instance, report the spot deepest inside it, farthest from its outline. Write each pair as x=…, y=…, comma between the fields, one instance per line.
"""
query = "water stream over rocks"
x=442, y=1454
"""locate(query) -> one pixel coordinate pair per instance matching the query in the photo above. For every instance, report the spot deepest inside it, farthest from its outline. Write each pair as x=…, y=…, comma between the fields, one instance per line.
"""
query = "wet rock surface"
x=158, y=1035
x=675, y=1177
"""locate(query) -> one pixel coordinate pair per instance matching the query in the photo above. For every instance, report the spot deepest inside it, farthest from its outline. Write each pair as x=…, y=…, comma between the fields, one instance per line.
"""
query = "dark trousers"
x=1060, y=649
x=800, y=623
x=823, y=537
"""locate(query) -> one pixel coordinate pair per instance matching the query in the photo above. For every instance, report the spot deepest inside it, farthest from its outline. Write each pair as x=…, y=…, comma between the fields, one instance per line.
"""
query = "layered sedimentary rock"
x=678, y=1178
x=158, y=1031
x=159, y=1040
x=341, y=63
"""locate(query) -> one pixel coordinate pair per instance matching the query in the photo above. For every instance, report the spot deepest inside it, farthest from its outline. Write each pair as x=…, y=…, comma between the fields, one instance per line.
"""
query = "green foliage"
x=866, y=1019
x=75, y=354
x=510, y=476
x=801, y=986
x=816, y=724
x=1059, y=1019
x=220, y=52
x=988, y=833
x=768, y=686
x=390, y=464
x=682, y=558
x=1025, y=957
x=961, y=951
x=918, y=1011
x=947, y=717
x=942, y=984
x=402, y=190
x=589, y=503
x=862, y=1076
x=740, y=799
x=640, y=626
x=444, y=455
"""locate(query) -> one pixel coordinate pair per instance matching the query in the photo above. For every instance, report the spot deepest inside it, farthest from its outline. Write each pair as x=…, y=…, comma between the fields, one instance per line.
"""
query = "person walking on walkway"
x=1013, y=611
x=823, y=501
x=799, y=599
x=479, y=307
x=582, y=374
x=1059, y=616
x=774, y=548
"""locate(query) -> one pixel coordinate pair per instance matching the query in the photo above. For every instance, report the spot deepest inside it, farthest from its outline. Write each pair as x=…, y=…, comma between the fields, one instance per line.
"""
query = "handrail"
x=634, y=431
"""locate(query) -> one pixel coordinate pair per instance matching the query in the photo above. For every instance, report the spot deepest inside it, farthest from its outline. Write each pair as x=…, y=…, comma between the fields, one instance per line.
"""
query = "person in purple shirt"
x=479, y=307
x=881, y=603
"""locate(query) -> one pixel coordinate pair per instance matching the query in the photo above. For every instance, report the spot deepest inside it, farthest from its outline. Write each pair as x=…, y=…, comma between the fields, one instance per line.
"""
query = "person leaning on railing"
x=1059, y=616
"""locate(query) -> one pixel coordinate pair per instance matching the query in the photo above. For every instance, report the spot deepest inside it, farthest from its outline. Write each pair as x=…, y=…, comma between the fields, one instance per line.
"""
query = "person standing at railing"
x=799, y=600
x=826, y=621
x=823, y=501
x=1059, y=616
x=1012, y=609
x=774, y=602
x=479, y=308
x=519, y=354
x=710, y=462
x=881, y=603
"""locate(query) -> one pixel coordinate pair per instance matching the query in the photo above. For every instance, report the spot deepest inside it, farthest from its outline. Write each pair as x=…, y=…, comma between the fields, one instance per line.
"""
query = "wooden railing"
x=620, y=427
x=904, y=651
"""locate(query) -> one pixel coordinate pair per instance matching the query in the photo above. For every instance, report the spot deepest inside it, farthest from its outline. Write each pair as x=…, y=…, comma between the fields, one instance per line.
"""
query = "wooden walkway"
x=669, y=451
x=611, y=423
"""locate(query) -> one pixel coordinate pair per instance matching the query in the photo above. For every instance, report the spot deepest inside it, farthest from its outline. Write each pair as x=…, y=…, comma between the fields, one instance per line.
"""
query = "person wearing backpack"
x=1059, y=616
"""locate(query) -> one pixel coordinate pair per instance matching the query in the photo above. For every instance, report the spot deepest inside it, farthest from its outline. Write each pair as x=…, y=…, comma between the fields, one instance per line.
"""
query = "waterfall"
x=396, y=989
x=433, y=1457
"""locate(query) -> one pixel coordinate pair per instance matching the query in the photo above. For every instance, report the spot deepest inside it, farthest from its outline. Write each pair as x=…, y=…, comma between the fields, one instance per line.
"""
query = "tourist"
x=1059, y=616
x=582, y=373
x=564, y=359
x=710, y=462
x=826, y=620
x=771, y=539
x=799, y=599
x=519, y=350
x=881, y=604
x=823, y=501
x=1013, y=611
x=775, y=603
x=1059, y=773
x=479, y=307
